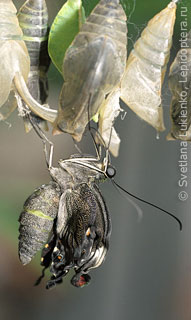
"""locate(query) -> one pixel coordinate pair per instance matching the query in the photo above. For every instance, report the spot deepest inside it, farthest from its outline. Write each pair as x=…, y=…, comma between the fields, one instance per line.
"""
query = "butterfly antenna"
x=149, y=203
x=134, y=204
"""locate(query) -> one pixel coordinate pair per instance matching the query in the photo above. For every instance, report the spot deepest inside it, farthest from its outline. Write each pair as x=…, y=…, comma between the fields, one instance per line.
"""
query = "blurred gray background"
x=147, y=272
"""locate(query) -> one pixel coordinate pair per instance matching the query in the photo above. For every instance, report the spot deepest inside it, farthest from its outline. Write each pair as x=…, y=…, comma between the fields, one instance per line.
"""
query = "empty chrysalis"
x=14, y=58
x=93, y=66
x=15, y=66
x=146, y=66
x=33, y=20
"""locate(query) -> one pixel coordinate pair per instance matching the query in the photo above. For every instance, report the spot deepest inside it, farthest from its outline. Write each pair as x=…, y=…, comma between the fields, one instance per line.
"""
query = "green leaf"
x=64, y=29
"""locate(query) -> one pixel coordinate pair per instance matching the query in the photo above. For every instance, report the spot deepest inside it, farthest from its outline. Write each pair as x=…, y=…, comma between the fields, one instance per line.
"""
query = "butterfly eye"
x=111, y=171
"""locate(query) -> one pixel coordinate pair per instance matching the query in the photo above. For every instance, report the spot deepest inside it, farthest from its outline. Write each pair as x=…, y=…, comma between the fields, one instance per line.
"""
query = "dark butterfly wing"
x=83, y=240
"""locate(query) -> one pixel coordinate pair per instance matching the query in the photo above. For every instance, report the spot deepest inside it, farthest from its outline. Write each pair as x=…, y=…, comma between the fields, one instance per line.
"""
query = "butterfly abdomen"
x=36, y=220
